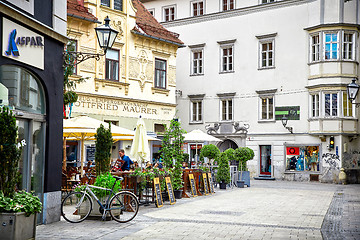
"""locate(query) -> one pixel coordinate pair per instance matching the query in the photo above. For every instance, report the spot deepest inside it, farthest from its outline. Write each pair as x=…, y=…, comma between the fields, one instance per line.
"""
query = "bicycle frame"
x=105, y=207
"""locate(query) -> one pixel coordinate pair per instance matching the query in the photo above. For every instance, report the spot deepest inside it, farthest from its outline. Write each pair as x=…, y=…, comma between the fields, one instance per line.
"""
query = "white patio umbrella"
x=140, y=146
x=199, y=136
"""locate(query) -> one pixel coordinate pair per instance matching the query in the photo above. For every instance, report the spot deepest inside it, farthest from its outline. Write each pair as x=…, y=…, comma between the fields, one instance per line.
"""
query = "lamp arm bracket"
x=74, y=58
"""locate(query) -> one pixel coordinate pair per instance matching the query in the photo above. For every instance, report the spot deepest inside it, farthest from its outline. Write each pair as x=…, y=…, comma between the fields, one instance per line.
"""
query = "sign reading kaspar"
x=22, y=44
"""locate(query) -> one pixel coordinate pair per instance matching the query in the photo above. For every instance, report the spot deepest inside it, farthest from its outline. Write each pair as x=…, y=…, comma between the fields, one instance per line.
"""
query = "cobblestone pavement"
x=266, y=210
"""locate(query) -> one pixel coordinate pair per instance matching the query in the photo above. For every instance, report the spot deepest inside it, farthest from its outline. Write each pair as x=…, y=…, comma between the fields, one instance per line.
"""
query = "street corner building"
x=271, y=75
x=137, y=75
x=33, y=34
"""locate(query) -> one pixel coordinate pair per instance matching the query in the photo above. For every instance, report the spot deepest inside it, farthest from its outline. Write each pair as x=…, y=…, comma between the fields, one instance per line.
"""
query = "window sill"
x=266, y=68
x=160, y=91
x=332, y=118
x=195, y=123
x=194, y=75
x=295, y=171
x=226, y=72
x=333, y=60
x=267, y=121
x=111, y=83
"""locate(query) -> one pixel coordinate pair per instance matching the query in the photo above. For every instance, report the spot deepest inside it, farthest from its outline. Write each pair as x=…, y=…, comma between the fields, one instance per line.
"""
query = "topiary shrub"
x=230, y=153
x=103, y=144
x=243, y=154
x=223, y=171
x=210, y=151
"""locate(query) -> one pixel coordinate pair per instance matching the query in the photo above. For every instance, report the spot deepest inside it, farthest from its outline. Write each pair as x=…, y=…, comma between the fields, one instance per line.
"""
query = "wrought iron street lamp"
x=284, y=121
x=106, y=38
x=352, y=91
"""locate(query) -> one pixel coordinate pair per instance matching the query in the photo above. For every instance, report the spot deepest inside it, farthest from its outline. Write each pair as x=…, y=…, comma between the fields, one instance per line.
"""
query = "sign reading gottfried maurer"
x=21, y=44
x=113, y=106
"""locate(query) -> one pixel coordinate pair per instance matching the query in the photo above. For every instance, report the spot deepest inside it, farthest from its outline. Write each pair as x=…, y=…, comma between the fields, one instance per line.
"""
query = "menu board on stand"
x=159, y=202
x=211, y=184
x=170, y=191
x=192, y=184
x=206, y=187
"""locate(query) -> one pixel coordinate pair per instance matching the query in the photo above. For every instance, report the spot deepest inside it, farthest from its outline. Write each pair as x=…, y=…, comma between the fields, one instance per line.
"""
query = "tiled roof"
x=75, y=8
x=147, y=24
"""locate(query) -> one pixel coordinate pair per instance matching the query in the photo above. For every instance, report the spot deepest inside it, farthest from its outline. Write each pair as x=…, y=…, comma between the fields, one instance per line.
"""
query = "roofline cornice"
x=159, y=39
x=234, y=12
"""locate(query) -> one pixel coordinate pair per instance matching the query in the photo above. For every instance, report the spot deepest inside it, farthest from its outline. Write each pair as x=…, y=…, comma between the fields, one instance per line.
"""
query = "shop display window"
x=302, y=158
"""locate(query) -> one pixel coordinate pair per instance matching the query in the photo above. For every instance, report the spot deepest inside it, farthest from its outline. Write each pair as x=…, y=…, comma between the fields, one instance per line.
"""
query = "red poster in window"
x=292, y=151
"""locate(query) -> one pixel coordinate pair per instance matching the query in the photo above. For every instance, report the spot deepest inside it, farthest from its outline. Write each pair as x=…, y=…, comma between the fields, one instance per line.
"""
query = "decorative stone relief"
x=122, y=66
x=172, y=75
x=118, y=27
x=134, y=68
x=149, y=72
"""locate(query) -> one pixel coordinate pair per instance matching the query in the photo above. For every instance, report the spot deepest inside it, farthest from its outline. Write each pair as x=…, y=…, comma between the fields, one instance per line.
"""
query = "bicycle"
x=122, y=206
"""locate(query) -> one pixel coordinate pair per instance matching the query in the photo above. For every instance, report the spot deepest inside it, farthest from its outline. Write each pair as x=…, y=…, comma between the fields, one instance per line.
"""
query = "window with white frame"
x=315, y=47
x=169, y=13
x=160, y=73
x=112, y=65
x=197, y=61
x=227, y=58
x=331, y=104
x=267, y=108
x=331, y=43
x=228, y=5
x=226, y=109
x=197, y=8
x=267, y=54
x=348, y=46
x=347, y=105
x=152, y=11
x=315, y=105
x=196, y=111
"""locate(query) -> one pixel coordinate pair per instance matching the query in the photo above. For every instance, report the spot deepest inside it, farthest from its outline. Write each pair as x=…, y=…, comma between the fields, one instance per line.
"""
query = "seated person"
x=126, y=159
x=148, y=165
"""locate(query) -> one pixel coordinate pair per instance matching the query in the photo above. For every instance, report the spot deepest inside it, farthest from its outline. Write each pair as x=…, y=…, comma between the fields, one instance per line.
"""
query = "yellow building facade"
x=136, y=77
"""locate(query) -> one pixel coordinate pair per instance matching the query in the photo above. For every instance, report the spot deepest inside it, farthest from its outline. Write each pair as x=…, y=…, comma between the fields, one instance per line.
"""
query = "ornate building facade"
x=136, y=77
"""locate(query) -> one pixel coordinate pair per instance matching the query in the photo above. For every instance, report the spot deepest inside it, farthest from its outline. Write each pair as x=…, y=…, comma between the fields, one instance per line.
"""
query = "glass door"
x=265, y=160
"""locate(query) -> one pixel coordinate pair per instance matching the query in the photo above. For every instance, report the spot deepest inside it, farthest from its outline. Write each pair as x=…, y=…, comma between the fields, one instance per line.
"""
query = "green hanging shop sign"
x=292, y=113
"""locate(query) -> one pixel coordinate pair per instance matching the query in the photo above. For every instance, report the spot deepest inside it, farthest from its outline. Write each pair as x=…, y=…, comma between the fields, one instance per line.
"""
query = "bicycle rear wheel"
x=124, y=206
x=76, y=207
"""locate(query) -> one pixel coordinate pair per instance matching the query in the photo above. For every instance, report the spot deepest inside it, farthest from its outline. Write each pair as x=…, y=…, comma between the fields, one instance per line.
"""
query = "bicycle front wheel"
x=124, y=206
x=76, y=207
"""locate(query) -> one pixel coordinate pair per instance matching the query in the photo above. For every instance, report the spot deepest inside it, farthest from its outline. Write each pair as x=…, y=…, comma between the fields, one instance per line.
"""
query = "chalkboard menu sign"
x=206, y=187
x=211, y=184
x=159, y=202
x=170, y=190
x=192, y=184
x=90, y=153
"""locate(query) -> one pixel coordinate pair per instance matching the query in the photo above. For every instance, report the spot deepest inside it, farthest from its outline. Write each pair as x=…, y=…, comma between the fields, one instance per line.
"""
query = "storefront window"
x=20, y=90
x=302, y=158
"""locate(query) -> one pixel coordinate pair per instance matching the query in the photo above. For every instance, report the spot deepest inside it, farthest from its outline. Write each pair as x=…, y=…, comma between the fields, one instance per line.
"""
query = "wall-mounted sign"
x=116, y=107
x=21, y=44
x=292, y=113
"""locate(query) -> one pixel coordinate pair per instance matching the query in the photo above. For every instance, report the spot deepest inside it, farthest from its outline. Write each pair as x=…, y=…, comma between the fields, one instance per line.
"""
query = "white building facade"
x=248, y=64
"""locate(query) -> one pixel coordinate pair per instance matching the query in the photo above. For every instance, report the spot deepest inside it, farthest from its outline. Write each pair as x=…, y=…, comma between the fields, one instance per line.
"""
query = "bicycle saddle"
x=118, y=178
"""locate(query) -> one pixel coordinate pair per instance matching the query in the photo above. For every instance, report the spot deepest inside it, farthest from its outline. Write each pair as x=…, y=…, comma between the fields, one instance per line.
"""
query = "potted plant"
x=243, y=154
x=211, y=152
x=223, y=171
x=172, y=154
x=17, y=208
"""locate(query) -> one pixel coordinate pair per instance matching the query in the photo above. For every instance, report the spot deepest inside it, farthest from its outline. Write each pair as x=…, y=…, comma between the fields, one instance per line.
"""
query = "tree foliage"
x=103, y=144
x=210, y=151
x=9, y=153
x=243, y=154
x=172, y=152
x=223, y=172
